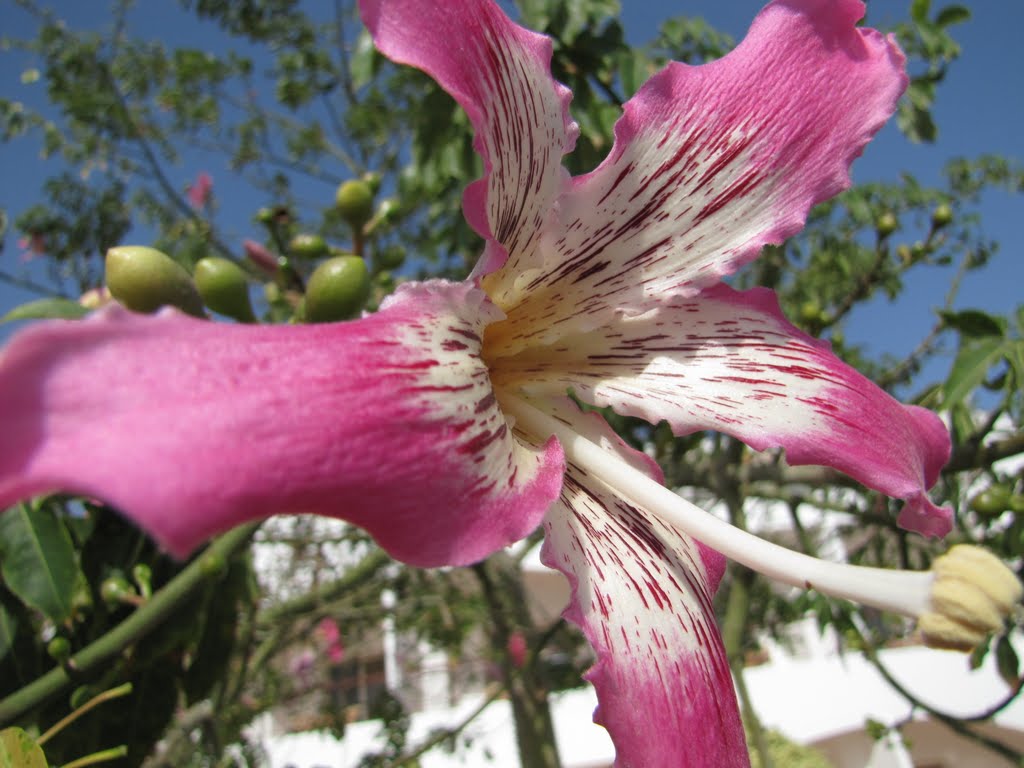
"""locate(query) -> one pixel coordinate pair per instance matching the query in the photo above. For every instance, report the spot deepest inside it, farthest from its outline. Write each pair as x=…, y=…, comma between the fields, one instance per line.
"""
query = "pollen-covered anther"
x=973, y=594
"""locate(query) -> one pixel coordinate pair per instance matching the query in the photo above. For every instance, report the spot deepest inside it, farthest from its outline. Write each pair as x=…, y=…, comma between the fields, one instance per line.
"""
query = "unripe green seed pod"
x=810, y=311
x=308, y=246
x=224, y=287
x=337, y=289
x=1017, y=503
x=354, y=201
x=391, y=257
x=992, y=502
x=886, y=224
x=143, y=577
x=942, y=216
x=388, y=209
x=59, y=649
x=144, y=279
x=265, y=215
x=213, y=564
x=372, y=180
x=116, y=590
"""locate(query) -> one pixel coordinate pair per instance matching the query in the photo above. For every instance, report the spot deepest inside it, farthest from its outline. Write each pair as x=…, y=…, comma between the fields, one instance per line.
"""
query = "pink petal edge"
x=191, y=427
x=710, y=163
x=641, y=593
x=500, y=74
x=730, y=361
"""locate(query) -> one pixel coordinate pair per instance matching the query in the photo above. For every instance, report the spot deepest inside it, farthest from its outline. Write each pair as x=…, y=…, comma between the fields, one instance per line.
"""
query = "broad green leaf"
x=977, y=657
x=961, y=422
x=971, y=366
x=37, y=560
x=19, y=750
x=1007, y=662
x=974, y=322
x=1015, y=357
x=952, y=14
x=8, y=626
x=919, y=10
x=633, y=71
x=364, y=61
x=42, y=309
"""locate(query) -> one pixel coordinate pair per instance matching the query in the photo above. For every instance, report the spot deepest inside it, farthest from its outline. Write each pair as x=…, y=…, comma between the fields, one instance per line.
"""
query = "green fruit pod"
x=308, y=246
x=144, y=280
x=337, y=290
x=354, y=201
x=224, y=287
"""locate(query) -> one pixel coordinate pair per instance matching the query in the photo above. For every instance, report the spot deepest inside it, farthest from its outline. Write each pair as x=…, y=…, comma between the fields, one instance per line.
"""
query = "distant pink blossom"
x=32, y=246
x=199, y=193
x=331, y=635
x=516, y=648
x=260, y=256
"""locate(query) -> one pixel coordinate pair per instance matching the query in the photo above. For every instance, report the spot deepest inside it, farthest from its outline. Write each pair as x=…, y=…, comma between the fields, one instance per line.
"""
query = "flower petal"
x=642, y=595
x=500, y=74
x=710, y=163
x=191, y=427
x=731, y=362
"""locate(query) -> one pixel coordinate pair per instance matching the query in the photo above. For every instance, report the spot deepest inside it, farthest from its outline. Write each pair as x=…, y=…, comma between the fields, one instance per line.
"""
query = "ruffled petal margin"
x=730, y=361
x=710, y=163
x=191, y=427
x=500, y=73
x=641, y=593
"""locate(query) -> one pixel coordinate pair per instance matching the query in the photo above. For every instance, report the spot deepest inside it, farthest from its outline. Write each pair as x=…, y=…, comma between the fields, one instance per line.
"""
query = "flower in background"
x=330, y=635
x=199, y=192
x=32, y=246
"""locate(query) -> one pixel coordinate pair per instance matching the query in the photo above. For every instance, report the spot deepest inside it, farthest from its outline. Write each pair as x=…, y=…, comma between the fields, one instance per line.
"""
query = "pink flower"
x=440, y=424
x=260, y=256
x=516, y=648
x=32, y=245
x=199, y=193
x=331, y=637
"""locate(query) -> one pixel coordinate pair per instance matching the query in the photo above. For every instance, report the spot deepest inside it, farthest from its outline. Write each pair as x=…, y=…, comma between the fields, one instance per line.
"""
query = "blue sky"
x=980, y=109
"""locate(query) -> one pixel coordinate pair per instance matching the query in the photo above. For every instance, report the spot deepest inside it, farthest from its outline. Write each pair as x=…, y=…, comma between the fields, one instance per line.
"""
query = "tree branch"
x=147, y=618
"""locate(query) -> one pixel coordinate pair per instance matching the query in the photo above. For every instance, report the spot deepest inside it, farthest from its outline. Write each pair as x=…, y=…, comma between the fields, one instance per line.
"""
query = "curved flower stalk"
x=440, y=423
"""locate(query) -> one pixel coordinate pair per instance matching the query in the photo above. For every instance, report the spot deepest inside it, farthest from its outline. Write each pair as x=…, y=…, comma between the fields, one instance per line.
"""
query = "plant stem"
x=95, y=701
x=131, y=630
x=98, y=757
x=956, y=724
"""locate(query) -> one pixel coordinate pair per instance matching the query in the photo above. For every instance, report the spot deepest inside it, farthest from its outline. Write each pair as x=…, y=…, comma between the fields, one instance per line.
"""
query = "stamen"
x=973, y=594
x=904, y=592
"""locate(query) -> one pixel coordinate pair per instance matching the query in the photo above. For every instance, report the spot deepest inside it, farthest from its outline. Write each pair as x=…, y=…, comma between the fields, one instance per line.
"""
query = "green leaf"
x=37, y=560
x=977, y=657
x=971, y=366
x=974, y=323
x=42, y=309
x=633, y=71
x=952, y=14
x=919, y=10
x=8, y=626
x=364, y=61
x=1007, y=662
x=19, y=750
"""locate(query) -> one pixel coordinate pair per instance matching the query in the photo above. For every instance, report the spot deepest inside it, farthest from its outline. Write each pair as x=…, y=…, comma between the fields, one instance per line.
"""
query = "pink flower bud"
x=199, y=193
x=260, y=256
x=516, y=648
